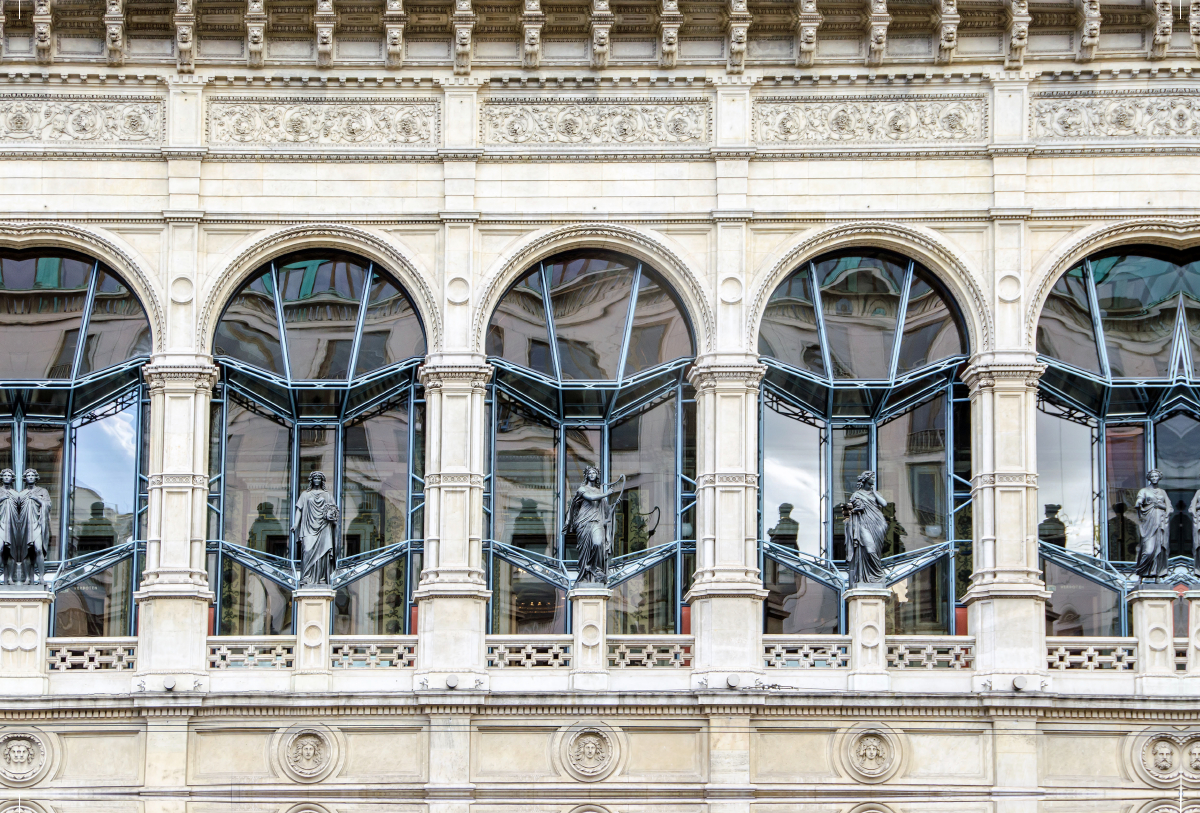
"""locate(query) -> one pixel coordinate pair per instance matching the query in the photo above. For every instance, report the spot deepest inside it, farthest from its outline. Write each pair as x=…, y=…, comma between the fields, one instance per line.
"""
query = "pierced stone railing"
x=1181, y=654
x=806, y=651
x=91, y=654
x=650, y=651
x=252, y=652
x=373, y=651
x=930, y=652
x=1092, y=654
x=529, y=651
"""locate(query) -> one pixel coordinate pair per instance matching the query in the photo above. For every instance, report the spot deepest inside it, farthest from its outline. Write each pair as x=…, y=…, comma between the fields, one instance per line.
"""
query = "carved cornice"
x=708, y=376
x=727, y=479
x=190, y=480
x=454, y=479
x=438, y=376
x=984, y=376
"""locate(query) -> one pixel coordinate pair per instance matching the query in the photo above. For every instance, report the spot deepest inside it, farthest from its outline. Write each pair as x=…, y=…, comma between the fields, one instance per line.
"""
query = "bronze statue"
x=590, y=516
x=316, y=518
x=1154, y=510
x=1194, y=510
x=32, y=540
x=10, y=536
x=866, y=527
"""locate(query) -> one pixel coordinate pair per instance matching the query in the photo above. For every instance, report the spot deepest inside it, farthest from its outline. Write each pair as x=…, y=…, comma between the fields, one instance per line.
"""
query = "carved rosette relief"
x=307, y=753
x=589, y=752
x=613, y=122
x=31, y=119
x=871, y=753
x=25, y=757
x=1162, y=758
x=1173, y=114
x=248, y=122
x=870, y=120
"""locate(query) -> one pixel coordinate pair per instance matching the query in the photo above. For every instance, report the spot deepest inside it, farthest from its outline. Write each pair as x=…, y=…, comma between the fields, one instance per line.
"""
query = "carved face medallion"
x=308, y=754
x=590, y=751
x=871, y=754
x=22, y=757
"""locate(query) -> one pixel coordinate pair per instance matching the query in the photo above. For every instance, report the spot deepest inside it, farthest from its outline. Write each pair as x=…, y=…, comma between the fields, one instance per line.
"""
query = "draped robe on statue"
x=1154, y=513
x=34, y=520
x=587, y=518
x=12, y=542
x=316, y=514
x=865, y=530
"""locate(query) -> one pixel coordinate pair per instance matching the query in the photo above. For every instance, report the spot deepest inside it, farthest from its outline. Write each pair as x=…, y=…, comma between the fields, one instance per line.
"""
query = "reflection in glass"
x=318, y=446
x=792, y=482
x=642, y=448
x=391, y=329
x=645, y=604
x=252, y=604
x=99, y=605
x=249, y=328
x=102, y=493
x=1067, y=481
x=918, y=605
x=1177, y=449
x=1079, y=606
x=860, y=302
x=41, y=308
x=321, y=297
x=44, y=452
x=1191, y=312
x=789, y=326
x=912, y=477
x=117, y=328
x=850, y=447
x=582, y=450
x=6, y=447
x=1137, y=296
x=797, y=604
x=659, y=333
x=589, y=297
x=524, y=604
x=257, y=481
x=1065, y=330
x=1125, y=453
x=375, y=482
x=524, y=474
x=372, y=605
x=518, y=331
x=930, y=331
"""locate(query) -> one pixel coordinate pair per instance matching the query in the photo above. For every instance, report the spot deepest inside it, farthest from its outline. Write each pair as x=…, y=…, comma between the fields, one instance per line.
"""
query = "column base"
x=866, y=621
x=175, y=657
x=1008, y=622
x=451, y=654
x=727, y=623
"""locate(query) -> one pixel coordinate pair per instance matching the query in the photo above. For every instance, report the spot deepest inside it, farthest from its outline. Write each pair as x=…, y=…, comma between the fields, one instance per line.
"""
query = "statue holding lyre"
x=591, y=517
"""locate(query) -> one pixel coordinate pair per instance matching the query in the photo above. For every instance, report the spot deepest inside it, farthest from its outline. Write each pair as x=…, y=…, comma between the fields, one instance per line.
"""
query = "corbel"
x=42, y=22
x=1194, y=25
x=739, y=31
x=325, y=20
x=1164, y=24
x=463, y=23
x=114, y=32
x=1016, y=35
x=531, y=34
x=669, y=20
x=946, y=19
x=394, y=20
x=1088, y=14
x=256, y=33
x=601, y=26
x=878, y=21
x=809, y=20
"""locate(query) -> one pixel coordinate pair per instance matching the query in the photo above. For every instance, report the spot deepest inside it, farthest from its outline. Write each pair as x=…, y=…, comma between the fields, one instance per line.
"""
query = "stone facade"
x=996, y=143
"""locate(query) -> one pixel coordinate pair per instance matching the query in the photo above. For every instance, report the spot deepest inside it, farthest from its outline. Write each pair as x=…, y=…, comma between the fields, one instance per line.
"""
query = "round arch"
x=1176, y=234
x=359, y=241
x=918, y=243
x=120, y=258
x=541, y=245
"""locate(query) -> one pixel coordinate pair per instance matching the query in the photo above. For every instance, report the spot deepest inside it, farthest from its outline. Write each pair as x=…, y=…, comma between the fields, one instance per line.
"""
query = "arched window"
x=863, y=349
x=1120, y=335
x=318, y=352
x=74, y=409
x=590, y=349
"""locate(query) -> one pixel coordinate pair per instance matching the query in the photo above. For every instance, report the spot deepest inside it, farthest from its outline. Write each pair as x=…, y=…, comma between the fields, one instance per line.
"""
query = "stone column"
x=24, y=626
x=1153, y=609
x=452, y=596
x=1007, y=600
x=589, y=652
x=727, y=594
x=866, y=621
x=314, y=605
x=174, y=597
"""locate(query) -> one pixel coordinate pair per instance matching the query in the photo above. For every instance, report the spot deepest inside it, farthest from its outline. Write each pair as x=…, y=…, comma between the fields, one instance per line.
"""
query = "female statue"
x=34, y=524
x=865, y=530
x=590, y=516
x=316, y=516
x=9, y=530
x=1153, y=508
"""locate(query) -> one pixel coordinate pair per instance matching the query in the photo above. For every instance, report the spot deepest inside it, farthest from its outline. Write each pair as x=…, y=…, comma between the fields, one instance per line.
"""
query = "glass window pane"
x=317, y=453
x=689, y=434
x=796, y=604
x=524, y=484
x=918, y=605
x=1191, y=308
x=518, y=331
x=1125, y=454
x=98, y=606
x=642, y=448
x=252, y=604
x=789, y=326
x=321, y=298
x=851, y=457
x=6, y=449
x=912, y=477
x=249, y=329
x=105, y=479
x=589, y=296
x=644, y=604
x=659, y=333
x=117, y=328
x=931, y=332
x=1067, y=480
x=1137, y=296
x=257, y=481
x=1065, y=329
x=1079, y=606
x=860, y=302
x=523, y=604
x=1177, y=447
x=374, y=604
x=375, y=483
x=582, y=450
x=391, y=330
x=44, y=454
x=792, y=482
x=41, y=307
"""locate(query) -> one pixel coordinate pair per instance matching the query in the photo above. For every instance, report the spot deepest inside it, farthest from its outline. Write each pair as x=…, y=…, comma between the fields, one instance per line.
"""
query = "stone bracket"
x=531, y=34
x=808, y=22
x=325, y=21
x=878, y=21
x=947, y=19
x=738, y=27
x=1016, y=35
x=114, y=33
x=670, y=18
x=600, y=26
x=463, y=23
x=1164, y=24
x=1088, y=13
x=256, y=23
x=43, y=40
x=185, y=35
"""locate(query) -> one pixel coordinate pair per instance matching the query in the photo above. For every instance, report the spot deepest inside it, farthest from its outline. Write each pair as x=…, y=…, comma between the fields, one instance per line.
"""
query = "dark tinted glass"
x=582, y=450
x=524, y=474
x=1065, y=328
x=374, y=604
x=1191, y=309
x=117, y=328
x=257, y=481
x=375, y=482
x=1125, y=453
x=1067, y=481
x=252, y=604
x=98, y=606
x=1177, y=453
x=318, y=452
x=1079, y=606
x=796, y=604
x=918, y=605
x=645, y=604
x=41, y=308
x=249, y=329
x=1137, y=296
x=102, y=494
x=44, y=445
x=642, y=448
x=931, y=332
x=789, y=326
x=860, y=302
x=391, y=330
x=518, y=331
x=659, y=333
x=524, y=604
x=321, y=298
x=912, y=477
x=851, y=457
x=589, y=297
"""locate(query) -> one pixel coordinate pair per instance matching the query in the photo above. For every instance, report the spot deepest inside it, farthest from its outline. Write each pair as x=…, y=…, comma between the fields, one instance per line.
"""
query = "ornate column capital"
x=982, y=376
x=161, y=376
x=455, y=376
x=712, y=375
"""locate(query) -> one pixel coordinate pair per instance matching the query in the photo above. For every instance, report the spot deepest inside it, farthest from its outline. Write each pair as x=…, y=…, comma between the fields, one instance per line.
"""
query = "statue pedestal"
x=589, y=650
x=24, y=627
x=1153, y=611
x=866, y=621
x=1192, y=631
x=314, y=605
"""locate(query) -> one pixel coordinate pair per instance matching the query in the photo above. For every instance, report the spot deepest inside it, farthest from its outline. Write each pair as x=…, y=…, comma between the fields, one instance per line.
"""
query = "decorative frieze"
x=43, y=118
x=313, y=122
x=584, y=122
x=870, y=119
x=1080, y=114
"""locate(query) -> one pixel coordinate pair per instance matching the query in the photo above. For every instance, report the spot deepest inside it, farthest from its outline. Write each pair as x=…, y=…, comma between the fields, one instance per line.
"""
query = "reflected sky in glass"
x=792, y=475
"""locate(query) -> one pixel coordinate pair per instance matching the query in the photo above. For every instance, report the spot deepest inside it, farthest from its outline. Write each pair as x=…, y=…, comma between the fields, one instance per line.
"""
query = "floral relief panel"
x=33, y=119
x=1075, y=114
x=870, y=119
x=589, y=122
x=319, y=122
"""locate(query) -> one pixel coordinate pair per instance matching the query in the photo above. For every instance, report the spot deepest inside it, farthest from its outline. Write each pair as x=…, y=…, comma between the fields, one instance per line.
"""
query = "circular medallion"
x=308, y=753
x=1009, y=288
x=871, y=753
x=1163, y=758
x=24, y=758
x=589, y=752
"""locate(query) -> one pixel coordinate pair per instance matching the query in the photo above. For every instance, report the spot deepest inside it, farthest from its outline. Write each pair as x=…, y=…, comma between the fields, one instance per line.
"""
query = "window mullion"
x=356, y=346
x=88, y=302
x=901, y=315
x=1097, y=325
x=820, y=317
x=552, y=334
x=283, y=344
x=633, y=297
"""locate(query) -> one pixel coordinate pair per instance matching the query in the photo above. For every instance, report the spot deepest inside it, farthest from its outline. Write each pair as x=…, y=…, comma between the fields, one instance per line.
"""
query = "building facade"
x=732, y=255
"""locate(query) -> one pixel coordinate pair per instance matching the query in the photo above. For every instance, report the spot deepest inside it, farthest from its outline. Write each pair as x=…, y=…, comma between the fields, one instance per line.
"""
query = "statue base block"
x=24, y=627
x=314, y=673
x=589, y=650
x=866, y=614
